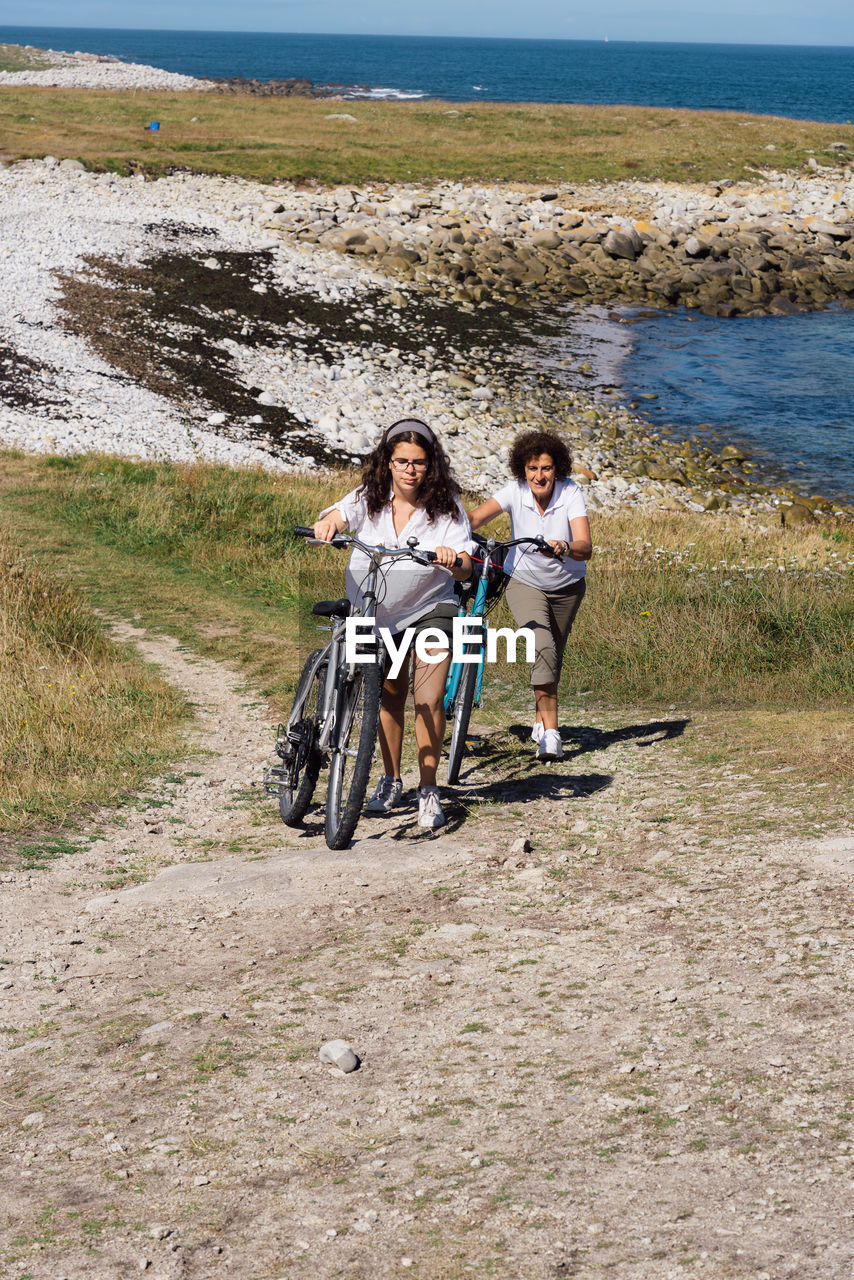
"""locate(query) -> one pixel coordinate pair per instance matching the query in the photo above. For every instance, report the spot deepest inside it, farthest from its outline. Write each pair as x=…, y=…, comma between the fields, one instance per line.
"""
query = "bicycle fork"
x=474, y=637
x=340, y=701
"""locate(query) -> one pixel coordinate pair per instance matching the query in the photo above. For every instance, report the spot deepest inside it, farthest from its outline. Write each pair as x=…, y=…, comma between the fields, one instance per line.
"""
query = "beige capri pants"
x=550, y=615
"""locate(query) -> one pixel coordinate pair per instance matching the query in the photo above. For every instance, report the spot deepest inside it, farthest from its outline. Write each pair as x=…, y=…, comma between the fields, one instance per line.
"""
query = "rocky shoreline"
x=777, y=245
x=293, y=87
x=317, y=334
x=53, y=68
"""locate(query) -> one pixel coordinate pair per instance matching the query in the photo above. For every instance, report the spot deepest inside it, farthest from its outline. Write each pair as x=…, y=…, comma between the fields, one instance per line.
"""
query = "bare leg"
x=546, y=696
x=391, y=721
x=429, y=689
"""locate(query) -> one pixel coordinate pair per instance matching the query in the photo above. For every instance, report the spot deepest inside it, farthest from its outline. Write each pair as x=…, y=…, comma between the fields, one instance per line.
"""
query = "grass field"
x=424, y=142
x=756, y=631
x=14, y=57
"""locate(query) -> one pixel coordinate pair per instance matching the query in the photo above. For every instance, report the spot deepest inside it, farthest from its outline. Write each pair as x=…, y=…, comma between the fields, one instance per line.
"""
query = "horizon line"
x=397, y=35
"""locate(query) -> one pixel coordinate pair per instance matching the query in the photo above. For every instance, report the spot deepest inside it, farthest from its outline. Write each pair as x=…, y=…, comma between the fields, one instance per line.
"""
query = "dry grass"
x=79, y=720
x=814, y=744
x=721, y=613
x=294, y=138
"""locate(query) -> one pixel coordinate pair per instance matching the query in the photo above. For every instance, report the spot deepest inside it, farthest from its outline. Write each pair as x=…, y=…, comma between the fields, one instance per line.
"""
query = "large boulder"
x=623, y=244
x=695, y=247
x=546, y=240
x=798, y=513
x=666, y=471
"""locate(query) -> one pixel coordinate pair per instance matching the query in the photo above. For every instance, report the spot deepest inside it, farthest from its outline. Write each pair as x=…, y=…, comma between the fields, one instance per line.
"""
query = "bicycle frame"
x=329, y=702
x=456, y=669
x=476, y=610
x=337, y=670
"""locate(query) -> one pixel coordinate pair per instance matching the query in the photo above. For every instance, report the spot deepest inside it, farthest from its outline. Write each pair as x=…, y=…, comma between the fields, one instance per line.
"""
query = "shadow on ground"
x=582, y=738
x=495, y=771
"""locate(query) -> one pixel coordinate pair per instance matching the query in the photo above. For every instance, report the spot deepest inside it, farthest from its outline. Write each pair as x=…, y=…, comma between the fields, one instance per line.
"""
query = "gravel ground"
x=620, y=1048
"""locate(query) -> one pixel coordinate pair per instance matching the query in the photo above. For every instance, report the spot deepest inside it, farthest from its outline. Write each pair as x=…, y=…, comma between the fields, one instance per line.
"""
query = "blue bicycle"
x=478, y=598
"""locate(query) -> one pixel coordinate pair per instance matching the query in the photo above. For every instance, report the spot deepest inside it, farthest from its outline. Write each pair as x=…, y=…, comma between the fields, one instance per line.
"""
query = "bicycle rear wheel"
x=353, y=752
x=301, y=759
x=463, y=704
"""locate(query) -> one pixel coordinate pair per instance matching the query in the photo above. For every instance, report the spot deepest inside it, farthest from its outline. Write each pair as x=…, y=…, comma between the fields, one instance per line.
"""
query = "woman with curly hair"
x=407, y=491
x=545, y=590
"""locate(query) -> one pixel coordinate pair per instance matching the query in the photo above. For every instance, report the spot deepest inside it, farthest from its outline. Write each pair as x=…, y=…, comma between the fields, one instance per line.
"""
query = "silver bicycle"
x=335, y=716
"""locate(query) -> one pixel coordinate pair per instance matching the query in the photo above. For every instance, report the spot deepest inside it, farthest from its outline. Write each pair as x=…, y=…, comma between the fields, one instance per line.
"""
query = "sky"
x=823, y=22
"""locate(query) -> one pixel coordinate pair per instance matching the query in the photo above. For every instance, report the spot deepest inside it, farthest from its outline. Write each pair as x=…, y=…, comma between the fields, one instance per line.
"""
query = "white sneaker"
x=551, y=747
x=430, y=813
x=537, y=731
x=387, y=795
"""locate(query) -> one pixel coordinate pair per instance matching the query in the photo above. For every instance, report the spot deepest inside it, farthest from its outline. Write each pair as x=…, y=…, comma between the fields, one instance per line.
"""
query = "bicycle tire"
x=353, y=753
x=299, y=776
x=463, y=704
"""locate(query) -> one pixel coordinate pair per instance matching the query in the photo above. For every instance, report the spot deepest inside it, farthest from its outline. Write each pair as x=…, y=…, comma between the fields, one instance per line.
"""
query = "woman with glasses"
x=407, y=491
x=545, y=590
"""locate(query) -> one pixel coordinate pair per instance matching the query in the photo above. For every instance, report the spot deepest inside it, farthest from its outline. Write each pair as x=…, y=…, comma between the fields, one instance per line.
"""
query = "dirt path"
x=626, y=1050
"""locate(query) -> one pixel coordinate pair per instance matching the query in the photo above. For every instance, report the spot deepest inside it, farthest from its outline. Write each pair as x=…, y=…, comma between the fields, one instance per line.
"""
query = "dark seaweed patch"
x=163, y=324
x=19, y=379
x=169, y=229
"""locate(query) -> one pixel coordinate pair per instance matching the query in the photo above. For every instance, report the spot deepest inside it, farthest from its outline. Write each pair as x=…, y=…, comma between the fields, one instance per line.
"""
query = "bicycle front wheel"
x=301, y=759
x=352, y=752
x=463, y=704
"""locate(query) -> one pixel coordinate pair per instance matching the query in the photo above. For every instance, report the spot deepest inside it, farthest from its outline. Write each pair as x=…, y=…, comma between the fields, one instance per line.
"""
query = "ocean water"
x=799, y=82
x=781, y=387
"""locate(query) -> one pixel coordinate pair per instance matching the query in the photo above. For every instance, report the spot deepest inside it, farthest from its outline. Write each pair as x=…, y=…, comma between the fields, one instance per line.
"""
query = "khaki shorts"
x=550, y=615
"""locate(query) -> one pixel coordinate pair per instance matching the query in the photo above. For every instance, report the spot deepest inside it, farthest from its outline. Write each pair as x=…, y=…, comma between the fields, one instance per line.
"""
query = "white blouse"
x=406, y=591
x=526, y=521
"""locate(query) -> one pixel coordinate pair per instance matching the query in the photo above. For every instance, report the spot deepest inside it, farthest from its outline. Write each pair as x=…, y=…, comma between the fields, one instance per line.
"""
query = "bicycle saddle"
x=332, y=608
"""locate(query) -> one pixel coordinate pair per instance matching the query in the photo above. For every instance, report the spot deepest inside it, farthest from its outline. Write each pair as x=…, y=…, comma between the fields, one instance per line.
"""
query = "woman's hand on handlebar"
x=446, y=557
x=457, y=561
x=326, y=527
x=555, y=547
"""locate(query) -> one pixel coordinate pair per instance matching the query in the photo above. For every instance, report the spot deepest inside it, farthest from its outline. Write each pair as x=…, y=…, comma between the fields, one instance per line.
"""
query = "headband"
x=411, y=424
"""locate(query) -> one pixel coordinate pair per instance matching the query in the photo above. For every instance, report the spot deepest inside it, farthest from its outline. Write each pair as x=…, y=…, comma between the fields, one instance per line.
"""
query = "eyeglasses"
x=402, y=464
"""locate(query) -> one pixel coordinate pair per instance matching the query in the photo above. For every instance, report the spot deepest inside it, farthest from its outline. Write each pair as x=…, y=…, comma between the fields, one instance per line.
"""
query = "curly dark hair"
x=439, y=490
x=530, y=445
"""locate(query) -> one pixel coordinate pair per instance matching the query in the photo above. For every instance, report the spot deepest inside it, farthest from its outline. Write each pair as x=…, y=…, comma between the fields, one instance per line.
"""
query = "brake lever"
x=427, y=557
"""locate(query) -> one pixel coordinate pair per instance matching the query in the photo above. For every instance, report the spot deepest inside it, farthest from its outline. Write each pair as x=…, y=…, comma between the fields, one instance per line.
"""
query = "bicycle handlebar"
x=347, y=540
x=537, y=541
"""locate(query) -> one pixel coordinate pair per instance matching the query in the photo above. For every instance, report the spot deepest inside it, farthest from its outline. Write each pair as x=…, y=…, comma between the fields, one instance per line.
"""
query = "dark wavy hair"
x=530, y=445
x=439, y=490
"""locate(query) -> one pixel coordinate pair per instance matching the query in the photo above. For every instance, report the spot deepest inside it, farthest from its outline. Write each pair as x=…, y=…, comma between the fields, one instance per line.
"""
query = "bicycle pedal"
x=292, y=741
x=273, y=780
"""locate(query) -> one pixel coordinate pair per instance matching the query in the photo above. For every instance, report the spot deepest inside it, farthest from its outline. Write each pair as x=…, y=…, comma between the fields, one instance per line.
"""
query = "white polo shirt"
x=527, y=521
x=406, y=591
